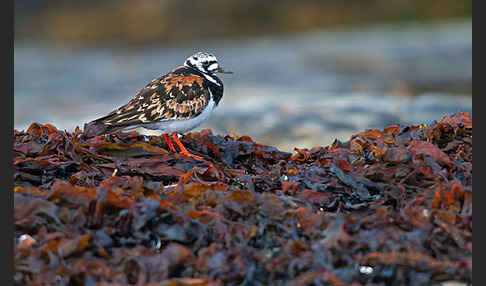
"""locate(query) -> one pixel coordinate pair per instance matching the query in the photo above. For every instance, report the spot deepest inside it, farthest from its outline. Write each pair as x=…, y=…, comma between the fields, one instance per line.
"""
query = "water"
x=289, y=91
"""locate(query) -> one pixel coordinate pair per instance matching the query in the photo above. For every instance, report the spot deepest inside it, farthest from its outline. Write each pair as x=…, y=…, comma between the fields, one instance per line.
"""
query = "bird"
x=172, y=104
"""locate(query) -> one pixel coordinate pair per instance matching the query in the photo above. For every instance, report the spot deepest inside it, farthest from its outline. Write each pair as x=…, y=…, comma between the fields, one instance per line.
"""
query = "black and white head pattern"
x=204, y=62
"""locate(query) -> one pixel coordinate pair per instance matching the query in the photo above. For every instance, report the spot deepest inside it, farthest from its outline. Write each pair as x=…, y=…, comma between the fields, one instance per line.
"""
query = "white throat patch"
x=213, y=67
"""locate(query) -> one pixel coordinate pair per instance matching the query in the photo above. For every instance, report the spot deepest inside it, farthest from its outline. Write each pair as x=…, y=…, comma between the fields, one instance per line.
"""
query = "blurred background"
x=305, y=72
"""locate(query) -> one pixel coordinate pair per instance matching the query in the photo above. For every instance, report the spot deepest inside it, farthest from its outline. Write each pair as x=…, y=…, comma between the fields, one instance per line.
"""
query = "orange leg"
x=183, y=149
x=167, y=138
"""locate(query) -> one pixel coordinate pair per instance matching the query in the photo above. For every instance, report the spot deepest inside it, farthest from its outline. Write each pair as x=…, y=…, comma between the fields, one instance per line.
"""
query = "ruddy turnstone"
x=171, y=104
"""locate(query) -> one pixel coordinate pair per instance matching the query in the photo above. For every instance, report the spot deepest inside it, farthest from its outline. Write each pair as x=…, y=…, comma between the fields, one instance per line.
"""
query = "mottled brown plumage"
x=177, y=95
x=174, y=103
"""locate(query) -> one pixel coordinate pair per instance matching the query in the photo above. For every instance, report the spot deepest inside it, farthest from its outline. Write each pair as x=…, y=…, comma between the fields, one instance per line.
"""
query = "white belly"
x=178, y=126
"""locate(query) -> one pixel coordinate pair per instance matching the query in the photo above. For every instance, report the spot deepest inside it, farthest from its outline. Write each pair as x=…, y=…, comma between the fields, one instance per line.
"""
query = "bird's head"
x=205, y=63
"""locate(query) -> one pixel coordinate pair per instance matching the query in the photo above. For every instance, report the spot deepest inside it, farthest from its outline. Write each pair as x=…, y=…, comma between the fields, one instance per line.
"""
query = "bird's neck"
x=214, y=84
x=217, y=92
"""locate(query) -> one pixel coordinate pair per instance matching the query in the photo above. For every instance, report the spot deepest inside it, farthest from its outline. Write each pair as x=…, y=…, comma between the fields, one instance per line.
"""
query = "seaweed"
x=386, y=207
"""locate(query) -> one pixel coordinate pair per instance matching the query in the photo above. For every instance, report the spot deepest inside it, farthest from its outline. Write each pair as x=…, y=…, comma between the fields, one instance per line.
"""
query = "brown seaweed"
x=387, y=207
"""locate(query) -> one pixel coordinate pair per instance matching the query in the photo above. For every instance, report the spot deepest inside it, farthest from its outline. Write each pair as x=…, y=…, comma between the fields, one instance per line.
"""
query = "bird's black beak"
x=221, y=70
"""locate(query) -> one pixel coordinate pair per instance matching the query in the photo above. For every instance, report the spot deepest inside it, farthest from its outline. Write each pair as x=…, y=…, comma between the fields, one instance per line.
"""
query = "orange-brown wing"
x=176, y=96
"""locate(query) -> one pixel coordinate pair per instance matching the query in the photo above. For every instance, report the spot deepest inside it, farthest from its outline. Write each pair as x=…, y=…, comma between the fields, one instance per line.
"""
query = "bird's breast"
x=183, y=125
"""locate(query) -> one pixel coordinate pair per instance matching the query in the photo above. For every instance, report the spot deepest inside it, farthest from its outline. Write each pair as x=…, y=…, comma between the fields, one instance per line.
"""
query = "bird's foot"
x=169, y=143
x=186, y=153
x=183, y=149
